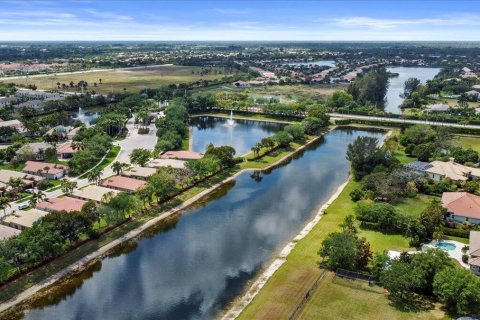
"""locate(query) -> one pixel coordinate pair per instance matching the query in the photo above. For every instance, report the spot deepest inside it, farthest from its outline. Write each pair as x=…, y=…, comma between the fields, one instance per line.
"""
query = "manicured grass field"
x=131, y=79
x=469, y=142
x=289, y=285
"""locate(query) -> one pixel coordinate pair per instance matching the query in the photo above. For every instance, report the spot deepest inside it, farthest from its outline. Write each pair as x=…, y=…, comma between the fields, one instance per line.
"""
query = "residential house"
x=28, y=179
x=450, y=169
x=14, y=124
x=125, y=184
x=418, y=166
x=8, y=232
x=461, y=206
x=181, y=155
x=67, y=204
x=93, y=192
x=66, y=151
x=174, y=163
x=34, y=151
x=140, y=172
x=438, y=107
x=22, y=220
x=474, y=252
x=46, y=169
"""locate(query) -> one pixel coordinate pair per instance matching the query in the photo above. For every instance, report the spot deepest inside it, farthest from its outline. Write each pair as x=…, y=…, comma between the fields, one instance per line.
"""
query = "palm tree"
x=438, y=235
x=37, y=197
x=4, y=203
x=255, y=150
x=16, y=184
x=107, y=197
x=95, y=175
x=68, y=186
x=118, y=167
x=145, y=195
x=78, y=145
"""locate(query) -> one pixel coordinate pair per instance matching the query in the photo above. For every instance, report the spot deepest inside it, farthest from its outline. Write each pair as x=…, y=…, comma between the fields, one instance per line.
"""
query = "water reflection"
x=244, y=135
x=191, y=271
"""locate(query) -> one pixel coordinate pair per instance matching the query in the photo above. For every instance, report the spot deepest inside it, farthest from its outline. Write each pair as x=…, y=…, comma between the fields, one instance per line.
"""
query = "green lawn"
x=469, y=142
x=111, y=155
x=288, y=286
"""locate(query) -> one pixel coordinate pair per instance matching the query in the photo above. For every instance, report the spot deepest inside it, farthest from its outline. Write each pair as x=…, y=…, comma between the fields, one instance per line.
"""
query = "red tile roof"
x=462, y=203
x=35, y=166
x=123, y=183
x=61, y=204
x=66, y=148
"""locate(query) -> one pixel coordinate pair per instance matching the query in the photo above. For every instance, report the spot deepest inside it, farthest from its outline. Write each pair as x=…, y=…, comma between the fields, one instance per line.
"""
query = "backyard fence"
x=343, y=273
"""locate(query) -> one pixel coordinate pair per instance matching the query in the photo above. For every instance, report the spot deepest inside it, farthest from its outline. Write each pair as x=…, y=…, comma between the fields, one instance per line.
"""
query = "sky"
x=240, y=20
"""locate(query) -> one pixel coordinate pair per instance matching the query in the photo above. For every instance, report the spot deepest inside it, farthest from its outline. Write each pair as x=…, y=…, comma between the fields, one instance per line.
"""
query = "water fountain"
x=230, y=121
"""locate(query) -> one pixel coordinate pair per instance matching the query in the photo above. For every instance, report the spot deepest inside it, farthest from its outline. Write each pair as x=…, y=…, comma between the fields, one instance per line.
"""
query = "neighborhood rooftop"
x=123, y=183
x=474, y=248
x=37, y=166
x=452, y=170
x=418, y=165
x=7, y=232
x=182, y=155
x=141, y=172
x=93, y=192
x=462, y=203
x=61, y=204
x=23, y=219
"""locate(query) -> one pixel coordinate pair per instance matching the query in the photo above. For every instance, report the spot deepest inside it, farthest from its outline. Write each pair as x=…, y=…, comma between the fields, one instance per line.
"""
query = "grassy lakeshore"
x=288, y=286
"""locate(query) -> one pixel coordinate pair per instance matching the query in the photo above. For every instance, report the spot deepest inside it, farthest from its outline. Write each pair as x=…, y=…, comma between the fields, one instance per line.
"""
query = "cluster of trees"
x=431, y=273
x=92, y=144
x=57, y=232
x=365, y=155
x=370, y=88
x=172, y=128
x=7, y=89
x=345, y=249
x=215, y=159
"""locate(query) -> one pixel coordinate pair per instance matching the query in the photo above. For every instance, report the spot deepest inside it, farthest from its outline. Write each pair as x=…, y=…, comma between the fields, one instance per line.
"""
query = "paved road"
x=132, y=141
x=436, y=123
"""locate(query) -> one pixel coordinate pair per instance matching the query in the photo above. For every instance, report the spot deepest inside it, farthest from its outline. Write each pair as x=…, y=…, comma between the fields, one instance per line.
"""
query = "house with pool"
x=461, y=207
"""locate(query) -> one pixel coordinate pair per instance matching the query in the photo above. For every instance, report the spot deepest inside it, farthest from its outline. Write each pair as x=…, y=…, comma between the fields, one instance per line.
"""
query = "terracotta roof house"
x=65, y=151
x=93, y=192
x=451, y=169
x=61, y=204
x=474, y=252
x=55, y=171
x=8, y=232
x=123, y=183
x=462, y=206
x=22, y=220
x=140, y=172
x=181, y=155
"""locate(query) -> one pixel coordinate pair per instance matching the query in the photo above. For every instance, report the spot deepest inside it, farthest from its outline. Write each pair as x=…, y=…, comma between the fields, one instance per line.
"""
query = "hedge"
x=455, y=232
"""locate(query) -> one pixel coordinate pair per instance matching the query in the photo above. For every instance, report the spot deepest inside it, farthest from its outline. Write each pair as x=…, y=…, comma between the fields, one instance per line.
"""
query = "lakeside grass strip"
x=23, y=291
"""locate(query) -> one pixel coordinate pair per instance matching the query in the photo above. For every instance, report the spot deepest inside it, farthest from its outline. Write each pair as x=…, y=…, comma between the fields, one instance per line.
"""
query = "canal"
x=193, y=266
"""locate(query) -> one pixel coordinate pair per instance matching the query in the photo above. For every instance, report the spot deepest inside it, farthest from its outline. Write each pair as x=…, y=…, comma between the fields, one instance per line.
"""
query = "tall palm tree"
x=95, y=175
x=68, y=186
x=37, y=197
x=4, y=203
x=16, y=184
x=145, y=195
x=118, y=167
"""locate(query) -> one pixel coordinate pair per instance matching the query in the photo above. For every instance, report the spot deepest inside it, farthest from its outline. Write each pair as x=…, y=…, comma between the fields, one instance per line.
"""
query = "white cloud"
x=107, y=15
x=376, y=23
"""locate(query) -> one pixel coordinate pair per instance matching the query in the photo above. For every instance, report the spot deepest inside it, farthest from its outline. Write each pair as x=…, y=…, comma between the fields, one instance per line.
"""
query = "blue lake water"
x=193, y=266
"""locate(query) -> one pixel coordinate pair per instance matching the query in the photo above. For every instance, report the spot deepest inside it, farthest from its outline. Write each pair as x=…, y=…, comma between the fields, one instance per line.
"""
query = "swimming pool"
x=447, y=246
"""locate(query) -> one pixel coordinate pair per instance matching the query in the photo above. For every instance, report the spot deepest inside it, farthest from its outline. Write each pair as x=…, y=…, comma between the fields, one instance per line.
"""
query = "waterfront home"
x=461, y=206
x=67, y=204
x=65, y=151
x=450, y=169
x=474, y=252
x=94, y=192
x=181, y=155
x=7, y=232
x=418, y=166
x=46, y=169
x=174, y=163
x=140, y=172
x=22, y=220
x=122, y=183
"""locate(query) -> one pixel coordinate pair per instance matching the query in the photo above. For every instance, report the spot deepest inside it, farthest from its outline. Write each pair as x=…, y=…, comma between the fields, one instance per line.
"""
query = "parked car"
x=23, y=206
x=29, y=190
